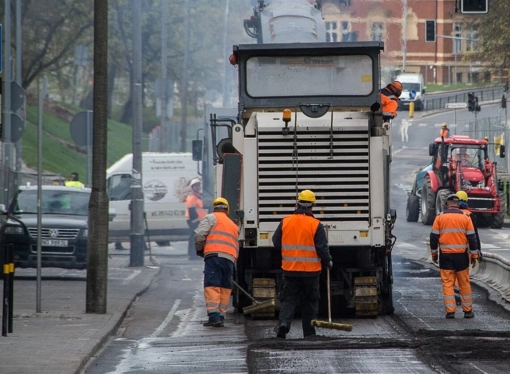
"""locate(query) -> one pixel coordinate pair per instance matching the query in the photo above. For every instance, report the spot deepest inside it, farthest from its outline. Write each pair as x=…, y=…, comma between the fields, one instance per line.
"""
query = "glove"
x=330, y=265
x=435, y=259
x=473, y=261
x=201, y=253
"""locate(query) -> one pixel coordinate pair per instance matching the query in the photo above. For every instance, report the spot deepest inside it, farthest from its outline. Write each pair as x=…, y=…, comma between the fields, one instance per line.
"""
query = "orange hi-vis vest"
x=194, y=201
x=453, y=229
x=298, y=246
x=223, y=237
x=389, y=105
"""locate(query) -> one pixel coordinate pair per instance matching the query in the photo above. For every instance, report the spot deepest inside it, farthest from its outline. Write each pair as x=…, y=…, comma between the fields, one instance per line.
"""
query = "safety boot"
x=282, y=332
x=469, y=314
x=450, y=315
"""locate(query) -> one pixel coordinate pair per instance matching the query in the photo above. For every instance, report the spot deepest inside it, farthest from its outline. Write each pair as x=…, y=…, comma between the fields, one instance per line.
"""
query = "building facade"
x=400, y=24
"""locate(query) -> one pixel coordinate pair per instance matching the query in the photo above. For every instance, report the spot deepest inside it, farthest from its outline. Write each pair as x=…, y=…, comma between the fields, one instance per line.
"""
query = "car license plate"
x=53, y=243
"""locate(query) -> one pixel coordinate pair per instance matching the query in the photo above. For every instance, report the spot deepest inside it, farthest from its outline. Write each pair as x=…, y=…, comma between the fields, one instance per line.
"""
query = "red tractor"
x=462, y=163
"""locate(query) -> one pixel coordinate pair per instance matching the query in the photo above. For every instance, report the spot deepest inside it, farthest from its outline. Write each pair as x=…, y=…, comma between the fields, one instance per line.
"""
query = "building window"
x=457, y=43
x=471, y=40
x=331, y=31
x=376, y=32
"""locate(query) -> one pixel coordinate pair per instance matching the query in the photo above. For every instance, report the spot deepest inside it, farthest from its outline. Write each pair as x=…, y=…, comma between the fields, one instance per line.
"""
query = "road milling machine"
x=309, y=117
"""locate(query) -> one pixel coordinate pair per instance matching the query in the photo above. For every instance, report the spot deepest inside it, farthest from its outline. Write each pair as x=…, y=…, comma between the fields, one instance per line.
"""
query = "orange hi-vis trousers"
x=448, y=278
x=217, y=299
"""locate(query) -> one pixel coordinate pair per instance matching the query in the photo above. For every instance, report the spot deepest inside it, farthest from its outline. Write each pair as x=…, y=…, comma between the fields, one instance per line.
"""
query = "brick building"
x=444, y=61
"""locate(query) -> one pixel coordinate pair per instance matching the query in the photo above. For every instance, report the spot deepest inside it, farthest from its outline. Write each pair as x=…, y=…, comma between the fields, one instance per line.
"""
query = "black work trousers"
x=304, y=292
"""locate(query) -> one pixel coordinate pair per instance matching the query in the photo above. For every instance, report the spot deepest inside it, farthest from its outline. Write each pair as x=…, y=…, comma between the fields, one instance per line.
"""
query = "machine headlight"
x=14, y=230
x=85, y=233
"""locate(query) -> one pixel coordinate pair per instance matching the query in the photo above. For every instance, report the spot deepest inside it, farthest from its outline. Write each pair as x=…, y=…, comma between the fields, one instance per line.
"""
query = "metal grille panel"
x=334, y=164
x=54, y=233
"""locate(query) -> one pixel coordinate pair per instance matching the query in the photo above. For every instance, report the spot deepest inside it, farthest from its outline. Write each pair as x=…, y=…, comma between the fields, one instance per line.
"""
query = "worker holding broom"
x=303, y=242
x=217, y=241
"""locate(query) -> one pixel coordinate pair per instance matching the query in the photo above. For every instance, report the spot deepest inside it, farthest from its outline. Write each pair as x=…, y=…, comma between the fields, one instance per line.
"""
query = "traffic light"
x=503, y=102
x=474, y=6
x=471, y=101
x=430, y=30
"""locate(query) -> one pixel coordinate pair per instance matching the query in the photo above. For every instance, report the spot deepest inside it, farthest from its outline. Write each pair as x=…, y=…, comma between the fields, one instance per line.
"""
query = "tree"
x=493, y=28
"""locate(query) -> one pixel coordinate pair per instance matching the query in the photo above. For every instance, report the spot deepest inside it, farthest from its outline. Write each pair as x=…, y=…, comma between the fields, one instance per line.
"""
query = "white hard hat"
x=195, y=181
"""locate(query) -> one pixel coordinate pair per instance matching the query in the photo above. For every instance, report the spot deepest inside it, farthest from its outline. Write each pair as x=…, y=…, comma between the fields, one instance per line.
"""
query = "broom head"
x=331, y=325
x=259, y=307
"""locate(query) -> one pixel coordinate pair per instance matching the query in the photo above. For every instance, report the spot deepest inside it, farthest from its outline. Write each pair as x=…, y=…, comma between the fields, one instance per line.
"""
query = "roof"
x=55, y=188
x=462, y=139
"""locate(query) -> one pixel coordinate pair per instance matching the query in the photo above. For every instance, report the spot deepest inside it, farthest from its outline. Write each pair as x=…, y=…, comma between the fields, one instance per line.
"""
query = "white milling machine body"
x=334, y=144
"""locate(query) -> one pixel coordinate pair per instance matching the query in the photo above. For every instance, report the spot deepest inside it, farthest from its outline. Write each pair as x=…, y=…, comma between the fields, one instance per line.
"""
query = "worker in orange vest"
x=217, y=241
x=445, y=131
x=451, y=239
x=195, y=212
x=389, y=99
x=463, y=205
x=303, y=242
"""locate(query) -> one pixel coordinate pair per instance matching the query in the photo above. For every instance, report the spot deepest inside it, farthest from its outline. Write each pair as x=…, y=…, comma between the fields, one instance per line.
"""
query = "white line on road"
x=132, y=276
x=167, y=319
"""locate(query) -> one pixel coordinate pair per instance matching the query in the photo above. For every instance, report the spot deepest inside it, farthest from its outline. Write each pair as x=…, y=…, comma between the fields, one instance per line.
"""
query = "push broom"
x=329, y=324
x=257, y=305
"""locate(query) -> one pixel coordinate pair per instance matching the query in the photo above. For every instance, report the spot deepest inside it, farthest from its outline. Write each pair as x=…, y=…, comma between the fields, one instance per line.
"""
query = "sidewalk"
x=63, y=337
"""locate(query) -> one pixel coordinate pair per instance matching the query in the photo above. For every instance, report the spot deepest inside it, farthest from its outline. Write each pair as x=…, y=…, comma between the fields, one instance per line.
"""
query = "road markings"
x=167, y=320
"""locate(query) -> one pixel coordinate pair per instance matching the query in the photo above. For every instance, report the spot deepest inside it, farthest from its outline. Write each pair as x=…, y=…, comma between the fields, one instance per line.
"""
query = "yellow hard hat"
x=444, y=124
x=221, y=202
x=306, y=195
x=462, y=196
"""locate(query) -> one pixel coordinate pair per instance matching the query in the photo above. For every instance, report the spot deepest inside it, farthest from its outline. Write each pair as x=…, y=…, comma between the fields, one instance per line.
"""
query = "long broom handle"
x=329, y=298
x=245, y=292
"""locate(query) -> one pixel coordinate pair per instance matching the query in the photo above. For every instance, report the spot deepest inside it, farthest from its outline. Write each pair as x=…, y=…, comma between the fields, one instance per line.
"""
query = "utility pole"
x=226, y=80
x=97, y=255
x=163, y=137
x=21, y=112
x=184, y=83
x=137, y=231
x=404, y=36
x=6, y=95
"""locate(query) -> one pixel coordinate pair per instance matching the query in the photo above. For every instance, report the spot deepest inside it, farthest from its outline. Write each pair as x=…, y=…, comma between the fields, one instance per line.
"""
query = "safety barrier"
x=494, y=271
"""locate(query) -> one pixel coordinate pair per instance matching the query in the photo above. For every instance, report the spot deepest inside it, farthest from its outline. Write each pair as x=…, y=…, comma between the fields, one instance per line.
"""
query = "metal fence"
x=483, y=94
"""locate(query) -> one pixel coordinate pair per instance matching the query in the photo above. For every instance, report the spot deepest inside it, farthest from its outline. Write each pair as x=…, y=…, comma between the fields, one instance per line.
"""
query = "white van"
x=414, y=91
x=165, y=181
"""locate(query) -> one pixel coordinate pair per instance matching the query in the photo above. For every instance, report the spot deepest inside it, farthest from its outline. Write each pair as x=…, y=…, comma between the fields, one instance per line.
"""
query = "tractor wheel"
x=412, y=208
x=498, y=219
x=428, y=203
x=441, y=200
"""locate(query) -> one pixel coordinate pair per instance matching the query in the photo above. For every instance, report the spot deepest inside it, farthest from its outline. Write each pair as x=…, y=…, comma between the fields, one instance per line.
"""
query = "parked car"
x=414, y=196
x=64, y=227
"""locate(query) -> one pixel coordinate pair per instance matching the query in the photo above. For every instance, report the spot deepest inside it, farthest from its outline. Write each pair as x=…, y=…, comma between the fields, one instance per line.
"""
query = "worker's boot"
x=469, y=314
x=282, y=332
